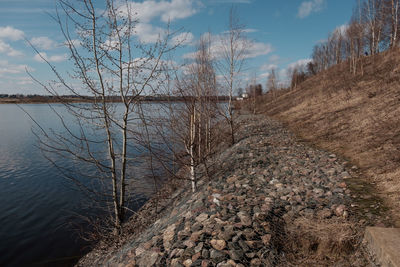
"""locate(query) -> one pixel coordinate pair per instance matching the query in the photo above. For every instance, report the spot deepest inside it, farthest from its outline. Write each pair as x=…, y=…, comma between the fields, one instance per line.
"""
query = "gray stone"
x=385, y=244
x=217, y=256
x=149, y=258
x=236, y=255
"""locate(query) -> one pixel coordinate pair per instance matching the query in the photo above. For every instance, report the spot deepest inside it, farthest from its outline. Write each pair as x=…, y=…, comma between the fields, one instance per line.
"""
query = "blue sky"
x=283, y=32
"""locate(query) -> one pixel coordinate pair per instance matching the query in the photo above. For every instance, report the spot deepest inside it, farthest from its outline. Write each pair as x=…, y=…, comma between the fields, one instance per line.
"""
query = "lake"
x=39, y=207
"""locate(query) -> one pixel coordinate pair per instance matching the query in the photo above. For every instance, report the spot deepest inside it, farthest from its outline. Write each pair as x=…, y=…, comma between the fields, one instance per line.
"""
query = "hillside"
x=356, y=116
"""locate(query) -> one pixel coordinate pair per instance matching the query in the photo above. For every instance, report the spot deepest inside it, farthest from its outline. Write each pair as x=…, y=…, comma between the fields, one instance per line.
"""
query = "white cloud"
x=42, y=56
x=165, y=10
x=268, y=67
x=7, y=68
x=265, y=75
x=8, y=50
x=25, y=81
x=274, y=59
x=184, y=38
x=252, y=50
x=300, y=62
x=308, y=7
x=283, y=73
x=43, y=43
x=75, y=42
x=250, y=30
x=258, y=49
x=148, y=33
x=11, y=33
x=231, y=1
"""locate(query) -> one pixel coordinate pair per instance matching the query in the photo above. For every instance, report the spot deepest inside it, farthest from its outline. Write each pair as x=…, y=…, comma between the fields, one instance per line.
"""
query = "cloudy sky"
x=283, y=32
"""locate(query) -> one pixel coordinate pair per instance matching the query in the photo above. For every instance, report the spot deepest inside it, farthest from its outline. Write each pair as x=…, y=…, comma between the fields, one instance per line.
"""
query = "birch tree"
x=234, y=47
x=192, y=121
x=109, y=63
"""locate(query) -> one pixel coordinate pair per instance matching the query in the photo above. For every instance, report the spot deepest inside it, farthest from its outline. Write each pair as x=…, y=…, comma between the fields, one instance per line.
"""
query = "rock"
x=175, y=263
x=255, y=262
x=202, y=217
x=216, y=255
x=250, y=255
x=139, y=251
x=243, y=245
x=196, y=256
x=265, y=239
x=331, y=172
x=339, y=211
x=168, y=236
x=189, y=243
x=199, y=247
x=236, y=255
x=187, y=263
x=195, y=236
x=244, y=218
x=205, y=253
x=345, y=214
x=231, y=179
x=149, y=258
x=176, y=252
x=218, y=244
x=227, y=233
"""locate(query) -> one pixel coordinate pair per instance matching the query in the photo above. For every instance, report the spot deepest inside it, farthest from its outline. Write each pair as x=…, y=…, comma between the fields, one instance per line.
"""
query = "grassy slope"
x=357, y=116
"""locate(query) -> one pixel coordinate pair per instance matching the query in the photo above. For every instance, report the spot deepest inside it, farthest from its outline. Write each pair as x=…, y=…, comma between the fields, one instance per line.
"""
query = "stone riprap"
x=238, y=216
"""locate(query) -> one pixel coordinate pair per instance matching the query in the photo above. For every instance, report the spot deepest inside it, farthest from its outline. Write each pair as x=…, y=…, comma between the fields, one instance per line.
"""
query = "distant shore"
x=37, y=99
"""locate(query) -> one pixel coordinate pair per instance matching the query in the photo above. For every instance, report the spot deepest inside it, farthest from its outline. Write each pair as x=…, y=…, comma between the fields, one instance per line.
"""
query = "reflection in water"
x=38, y=205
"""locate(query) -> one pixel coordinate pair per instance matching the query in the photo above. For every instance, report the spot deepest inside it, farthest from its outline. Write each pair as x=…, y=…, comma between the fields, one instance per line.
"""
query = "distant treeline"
x=374, y=27
x=20, y=98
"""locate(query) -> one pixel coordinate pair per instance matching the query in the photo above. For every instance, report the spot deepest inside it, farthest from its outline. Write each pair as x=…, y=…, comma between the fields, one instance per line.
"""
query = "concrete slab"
x=384, y=243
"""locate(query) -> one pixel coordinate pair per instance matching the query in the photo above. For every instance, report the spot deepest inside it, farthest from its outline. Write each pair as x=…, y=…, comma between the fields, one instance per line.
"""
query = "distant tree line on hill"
x=373, y=28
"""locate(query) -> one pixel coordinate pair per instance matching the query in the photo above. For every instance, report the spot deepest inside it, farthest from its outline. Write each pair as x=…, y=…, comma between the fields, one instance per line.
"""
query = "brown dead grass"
x=357, y=116
x=324, y=243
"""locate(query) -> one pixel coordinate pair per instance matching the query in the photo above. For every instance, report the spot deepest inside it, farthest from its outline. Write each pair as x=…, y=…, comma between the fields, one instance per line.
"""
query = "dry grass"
x=356, y=116
x=324, y=243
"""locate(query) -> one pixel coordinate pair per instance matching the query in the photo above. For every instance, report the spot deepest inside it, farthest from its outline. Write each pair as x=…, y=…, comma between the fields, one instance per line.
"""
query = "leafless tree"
x=373, y=17
x=234, y=48
x=193, y=120
x=108, y=61
x=392, y=11
x=272, y=82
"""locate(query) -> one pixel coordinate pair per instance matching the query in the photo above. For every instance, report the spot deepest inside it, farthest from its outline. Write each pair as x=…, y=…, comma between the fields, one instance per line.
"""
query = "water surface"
x=38, y=205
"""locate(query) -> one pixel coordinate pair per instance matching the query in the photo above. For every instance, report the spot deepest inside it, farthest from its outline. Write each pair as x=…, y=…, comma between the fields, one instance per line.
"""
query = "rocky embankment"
x=271, y=201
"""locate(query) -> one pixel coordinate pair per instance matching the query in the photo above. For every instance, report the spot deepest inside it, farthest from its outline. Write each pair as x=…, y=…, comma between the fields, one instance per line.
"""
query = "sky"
x=283, y=33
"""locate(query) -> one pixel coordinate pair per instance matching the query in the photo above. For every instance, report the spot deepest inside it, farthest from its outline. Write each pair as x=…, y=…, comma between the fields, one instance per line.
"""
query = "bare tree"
x=110, y=62
x=192, y=121
x=272, y=82
x=392, y=11
x=373, y=17
x=234, y=48
x=354, y=44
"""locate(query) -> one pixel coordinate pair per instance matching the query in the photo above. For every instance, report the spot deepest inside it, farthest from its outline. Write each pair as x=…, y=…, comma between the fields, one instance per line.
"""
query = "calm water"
x=38, y=205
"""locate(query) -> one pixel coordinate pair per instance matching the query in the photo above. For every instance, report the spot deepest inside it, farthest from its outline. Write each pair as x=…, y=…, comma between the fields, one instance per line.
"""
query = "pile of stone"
x=238, y=216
